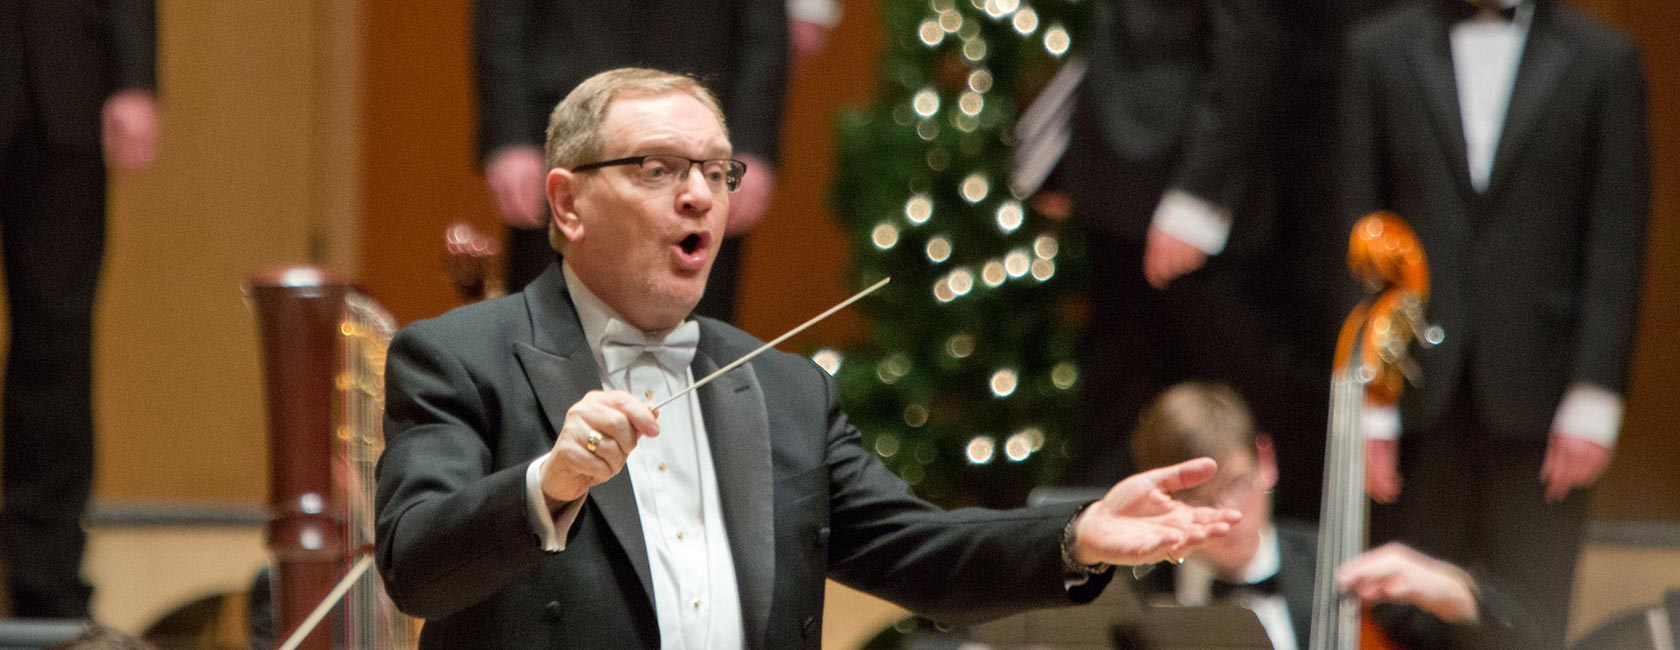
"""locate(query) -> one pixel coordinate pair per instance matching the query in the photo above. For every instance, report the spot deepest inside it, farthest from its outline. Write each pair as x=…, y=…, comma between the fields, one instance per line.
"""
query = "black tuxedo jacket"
x=60, y=59
x=530, y=53
x=1178, y=94
x=1536, y=282
x=475, y=395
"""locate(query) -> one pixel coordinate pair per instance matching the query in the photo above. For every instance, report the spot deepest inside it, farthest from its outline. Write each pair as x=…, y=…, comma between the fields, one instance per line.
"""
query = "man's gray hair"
x=574, y=128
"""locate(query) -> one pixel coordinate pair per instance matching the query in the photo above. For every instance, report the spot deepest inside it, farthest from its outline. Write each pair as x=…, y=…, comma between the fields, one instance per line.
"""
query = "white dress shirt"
x=696, y=599
x=1485, y=52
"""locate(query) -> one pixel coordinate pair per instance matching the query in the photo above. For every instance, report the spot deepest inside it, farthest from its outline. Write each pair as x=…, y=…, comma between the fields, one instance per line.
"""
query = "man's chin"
x=678, y=299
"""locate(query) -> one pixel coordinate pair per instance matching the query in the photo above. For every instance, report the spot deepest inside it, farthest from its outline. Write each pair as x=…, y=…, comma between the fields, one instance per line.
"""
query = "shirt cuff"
x=1193, y=220
x=548, y=526
x=821, y=12
x=1381, y=422
x=1591, y=413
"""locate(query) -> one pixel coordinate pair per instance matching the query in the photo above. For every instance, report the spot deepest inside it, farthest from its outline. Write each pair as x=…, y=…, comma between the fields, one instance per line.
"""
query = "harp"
x=323, y=348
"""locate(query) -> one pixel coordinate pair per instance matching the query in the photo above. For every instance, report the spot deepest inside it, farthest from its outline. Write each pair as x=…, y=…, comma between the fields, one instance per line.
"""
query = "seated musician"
x=1268, y=565
x=529, y=496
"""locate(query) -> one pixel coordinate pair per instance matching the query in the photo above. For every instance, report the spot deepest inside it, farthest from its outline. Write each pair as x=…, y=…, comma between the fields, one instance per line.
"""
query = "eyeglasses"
x=1228, y=495
x=662, y=172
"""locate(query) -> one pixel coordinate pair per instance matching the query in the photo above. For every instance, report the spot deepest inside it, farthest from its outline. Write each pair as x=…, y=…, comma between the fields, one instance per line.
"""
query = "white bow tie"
x=622, y=343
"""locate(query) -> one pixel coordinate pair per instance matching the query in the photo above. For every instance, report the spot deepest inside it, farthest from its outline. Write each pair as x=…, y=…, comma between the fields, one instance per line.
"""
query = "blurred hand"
x=129, y=130
x=516, y=177
x=619, y=419
x=747, y=205
x=1395, y=573
x=1166, y=258
x=1382, y=469
x=1571, y=463
x=805, y=38
x=1138, y=521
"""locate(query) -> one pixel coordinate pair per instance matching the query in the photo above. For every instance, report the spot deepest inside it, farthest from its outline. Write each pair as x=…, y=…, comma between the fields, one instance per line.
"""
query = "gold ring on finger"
x=592, y=441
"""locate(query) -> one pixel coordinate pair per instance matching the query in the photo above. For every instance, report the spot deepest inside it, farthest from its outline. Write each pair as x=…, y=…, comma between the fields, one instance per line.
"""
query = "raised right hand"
x=619, y=419
x=516, y=176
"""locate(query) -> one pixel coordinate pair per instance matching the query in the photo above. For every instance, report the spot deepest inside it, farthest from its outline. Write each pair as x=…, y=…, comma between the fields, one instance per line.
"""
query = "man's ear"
x=562, y=203
x=1265, y=458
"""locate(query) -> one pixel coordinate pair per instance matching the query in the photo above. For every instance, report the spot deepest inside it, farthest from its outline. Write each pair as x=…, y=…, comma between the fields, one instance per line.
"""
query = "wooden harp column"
x=323, y=346
x=298, y=311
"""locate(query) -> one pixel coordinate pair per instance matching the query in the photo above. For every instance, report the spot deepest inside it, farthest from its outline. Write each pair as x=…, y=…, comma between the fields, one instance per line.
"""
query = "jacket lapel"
x=1545, y=60
x=1431, y=59
x=561, y=370
x=738, y=429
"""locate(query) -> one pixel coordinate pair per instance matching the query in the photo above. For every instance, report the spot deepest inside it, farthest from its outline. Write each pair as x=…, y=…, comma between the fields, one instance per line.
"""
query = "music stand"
x=1194, y=628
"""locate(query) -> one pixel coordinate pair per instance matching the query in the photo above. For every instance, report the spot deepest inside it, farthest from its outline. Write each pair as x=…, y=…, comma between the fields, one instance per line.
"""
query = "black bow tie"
x=1222, y=590
x=1462, y=10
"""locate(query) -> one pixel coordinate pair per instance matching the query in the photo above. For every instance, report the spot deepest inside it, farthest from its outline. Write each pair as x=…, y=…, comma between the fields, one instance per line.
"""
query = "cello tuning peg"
x=1433, y=336
x=1410, y=369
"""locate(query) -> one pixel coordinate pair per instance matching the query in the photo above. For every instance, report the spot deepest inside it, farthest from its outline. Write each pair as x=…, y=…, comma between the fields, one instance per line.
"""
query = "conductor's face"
x=643, y=234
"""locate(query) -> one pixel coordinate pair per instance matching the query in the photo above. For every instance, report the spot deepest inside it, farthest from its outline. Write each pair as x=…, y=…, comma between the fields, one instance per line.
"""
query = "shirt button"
x=679, y=535
x=649, y=393
x=662, y=467
x=697, y=603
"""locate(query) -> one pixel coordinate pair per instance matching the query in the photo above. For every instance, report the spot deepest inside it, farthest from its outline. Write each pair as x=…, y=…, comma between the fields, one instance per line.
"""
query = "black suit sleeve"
x=1618, y=208
x=1236, y=107
x=963, y=565
x=758, y=84
x=452, y=530
x=131, y=30
x=500, y=38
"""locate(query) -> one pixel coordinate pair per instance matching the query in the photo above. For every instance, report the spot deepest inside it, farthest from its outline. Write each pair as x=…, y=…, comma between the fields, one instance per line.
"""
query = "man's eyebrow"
x=661, y=144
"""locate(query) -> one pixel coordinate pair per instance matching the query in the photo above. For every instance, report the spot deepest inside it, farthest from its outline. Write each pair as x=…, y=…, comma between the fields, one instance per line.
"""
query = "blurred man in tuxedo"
x=1269, y=565
x=531, y=53
x=74, y=75
x=1512, y=135
x=529, y=496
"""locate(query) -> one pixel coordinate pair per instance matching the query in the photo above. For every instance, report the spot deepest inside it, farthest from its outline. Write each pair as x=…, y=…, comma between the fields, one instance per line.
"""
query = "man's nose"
x=696, y=194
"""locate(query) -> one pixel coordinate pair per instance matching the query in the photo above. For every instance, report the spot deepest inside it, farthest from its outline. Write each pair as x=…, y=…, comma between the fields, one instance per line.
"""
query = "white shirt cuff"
x=821, y=12
x=1591, y=413
x=549, y=528
x=1193, y=220
x=1381, y=422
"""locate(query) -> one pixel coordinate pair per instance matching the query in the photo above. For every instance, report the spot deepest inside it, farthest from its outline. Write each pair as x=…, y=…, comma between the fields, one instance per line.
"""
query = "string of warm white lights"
x=971, y=360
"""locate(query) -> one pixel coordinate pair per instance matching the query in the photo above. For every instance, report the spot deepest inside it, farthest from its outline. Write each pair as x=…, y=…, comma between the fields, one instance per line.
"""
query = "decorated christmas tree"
x=967, y=383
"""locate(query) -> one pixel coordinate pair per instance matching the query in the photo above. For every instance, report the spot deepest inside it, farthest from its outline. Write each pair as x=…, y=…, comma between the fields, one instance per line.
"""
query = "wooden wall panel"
x=420, y=172
x=1642, y=484
x=178, y=397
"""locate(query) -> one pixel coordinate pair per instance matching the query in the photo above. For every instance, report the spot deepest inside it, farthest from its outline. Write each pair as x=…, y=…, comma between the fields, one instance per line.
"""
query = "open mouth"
x=691, y=251
x=693, y=242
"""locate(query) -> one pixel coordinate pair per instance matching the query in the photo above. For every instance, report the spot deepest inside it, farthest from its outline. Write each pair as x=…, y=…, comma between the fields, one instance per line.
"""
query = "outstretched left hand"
x=1138, y=521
